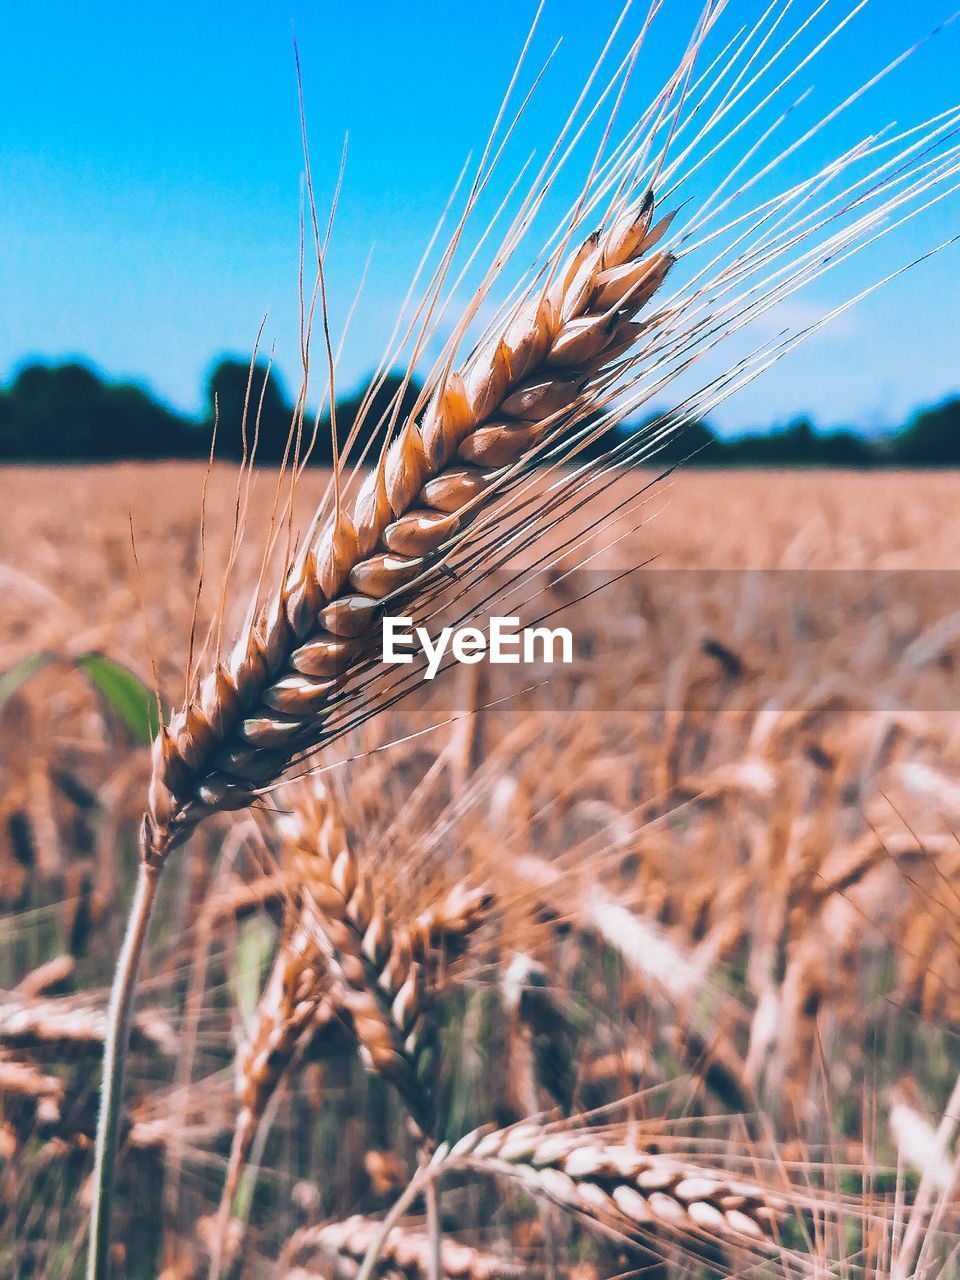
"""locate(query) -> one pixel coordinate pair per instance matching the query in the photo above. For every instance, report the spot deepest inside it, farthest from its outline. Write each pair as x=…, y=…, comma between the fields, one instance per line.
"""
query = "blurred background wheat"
x=735, y=903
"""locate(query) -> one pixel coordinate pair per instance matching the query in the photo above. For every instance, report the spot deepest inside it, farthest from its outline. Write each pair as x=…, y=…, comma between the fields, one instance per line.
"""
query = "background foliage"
x=69, y=413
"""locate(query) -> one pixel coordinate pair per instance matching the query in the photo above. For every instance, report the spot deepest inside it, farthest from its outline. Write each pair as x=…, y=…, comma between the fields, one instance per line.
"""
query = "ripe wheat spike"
x=299, y=1003
x=265, y=707
x=622, y=1187
x=69, y=1025
x=385, y=970
x=573, y=356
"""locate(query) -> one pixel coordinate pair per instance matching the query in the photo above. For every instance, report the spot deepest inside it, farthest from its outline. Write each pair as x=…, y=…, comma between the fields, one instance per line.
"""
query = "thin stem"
x=114, y=1056
x=903, y=1267
x=243, y=1137
x=246, y=1150
x=432, y=1195
x=423, y=1176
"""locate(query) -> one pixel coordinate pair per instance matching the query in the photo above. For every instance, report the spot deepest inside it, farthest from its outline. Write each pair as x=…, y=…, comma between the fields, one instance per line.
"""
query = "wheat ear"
x=612, y=1183
x=407, y=1251
x=297, y=1004
x=621, y=1186
x=66, y=1025
x=264, y=707
x=385, y=972
x=342, y=964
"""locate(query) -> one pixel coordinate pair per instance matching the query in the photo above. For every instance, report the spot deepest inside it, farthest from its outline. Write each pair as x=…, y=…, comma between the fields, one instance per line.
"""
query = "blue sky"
x=150, y=162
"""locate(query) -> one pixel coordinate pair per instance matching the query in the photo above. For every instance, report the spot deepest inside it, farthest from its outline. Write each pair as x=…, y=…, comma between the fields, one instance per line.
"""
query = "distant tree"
x=230, y=386
x=693, y=443
x=799, y=445
x=847, y=449
x=68, y=412
x=10, y=444
x=789, y=446
x=628, y=442
x=932, y=438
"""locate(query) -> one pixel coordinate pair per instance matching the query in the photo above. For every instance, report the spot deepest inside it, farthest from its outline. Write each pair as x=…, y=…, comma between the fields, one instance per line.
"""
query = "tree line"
x=68, y=413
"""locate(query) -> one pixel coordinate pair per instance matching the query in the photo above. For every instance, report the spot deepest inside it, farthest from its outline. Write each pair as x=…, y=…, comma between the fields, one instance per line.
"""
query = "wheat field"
x=672, y=932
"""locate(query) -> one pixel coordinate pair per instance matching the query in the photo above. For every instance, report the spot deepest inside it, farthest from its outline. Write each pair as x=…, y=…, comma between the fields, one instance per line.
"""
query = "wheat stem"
x=434, y=1266
x=903, y=1266
x=115, y=1047
x=422, y=1177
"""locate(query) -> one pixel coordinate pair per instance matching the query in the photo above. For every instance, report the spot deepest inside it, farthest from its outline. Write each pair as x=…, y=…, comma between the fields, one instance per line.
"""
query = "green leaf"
x=124, y=693
x=256, y=944
x=20, y=673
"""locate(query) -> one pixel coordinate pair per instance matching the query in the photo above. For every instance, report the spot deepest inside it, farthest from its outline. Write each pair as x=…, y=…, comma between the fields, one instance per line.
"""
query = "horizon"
x=199, y=417
x=150, y=214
